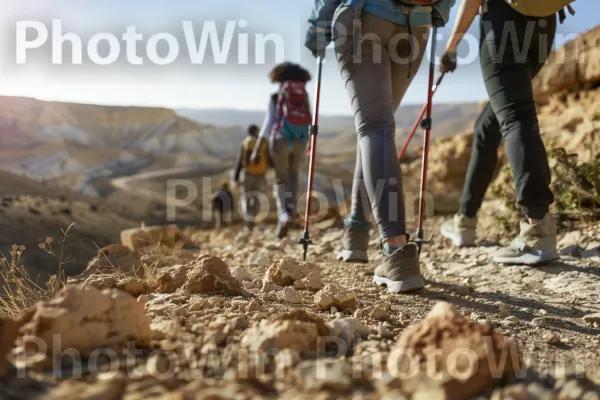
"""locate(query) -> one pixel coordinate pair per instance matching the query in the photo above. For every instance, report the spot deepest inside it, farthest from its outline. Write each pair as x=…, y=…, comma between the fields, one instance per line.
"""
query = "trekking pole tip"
x=305, y=242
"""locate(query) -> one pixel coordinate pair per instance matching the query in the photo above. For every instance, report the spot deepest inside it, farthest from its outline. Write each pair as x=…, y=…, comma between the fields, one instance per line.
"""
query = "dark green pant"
x=513, y=48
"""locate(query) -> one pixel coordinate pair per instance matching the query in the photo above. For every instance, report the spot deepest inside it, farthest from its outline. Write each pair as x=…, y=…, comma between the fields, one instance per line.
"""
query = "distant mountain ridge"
x=79, y=143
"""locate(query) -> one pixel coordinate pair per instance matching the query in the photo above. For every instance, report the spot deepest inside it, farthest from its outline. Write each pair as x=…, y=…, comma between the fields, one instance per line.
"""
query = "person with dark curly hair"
x=286, y=126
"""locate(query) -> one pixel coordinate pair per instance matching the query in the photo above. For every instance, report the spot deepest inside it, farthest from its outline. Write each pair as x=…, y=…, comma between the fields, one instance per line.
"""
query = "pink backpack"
x=293, y=116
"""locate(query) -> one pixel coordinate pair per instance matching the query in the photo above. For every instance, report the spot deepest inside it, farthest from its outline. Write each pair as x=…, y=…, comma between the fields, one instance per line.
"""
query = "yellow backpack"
x=260, y=165
x=540, y=8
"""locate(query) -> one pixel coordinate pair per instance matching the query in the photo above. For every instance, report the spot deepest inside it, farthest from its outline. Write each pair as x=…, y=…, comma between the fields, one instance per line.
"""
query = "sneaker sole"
x=409, y=285
x=529, y=258
x=457, y=240
x=352, y=256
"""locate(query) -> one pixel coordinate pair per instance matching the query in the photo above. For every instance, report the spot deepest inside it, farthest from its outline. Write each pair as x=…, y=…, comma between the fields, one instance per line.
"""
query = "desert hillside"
x=74, y=145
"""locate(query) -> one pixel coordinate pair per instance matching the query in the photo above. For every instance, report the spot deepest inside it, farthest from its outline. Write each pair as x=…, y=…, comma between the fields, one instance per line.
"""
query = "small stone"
x=539, y=322
x=359, y=314
x=248, y=285
x=254, y=306
x=259, y=259
x=379, y=314
x=269, y=287
x=291, y=295
x=513, y=319
x=551, y=338
x=460, y=290
x=385, y=331
x=504, y=310
x=543, y=312
x=592, y=318
x=240, y=274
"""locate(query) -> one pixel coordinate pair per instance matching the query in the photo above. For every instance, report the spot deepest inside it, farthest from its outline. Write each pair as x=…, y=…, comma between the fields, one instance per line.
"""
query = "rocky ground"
x=225, y=315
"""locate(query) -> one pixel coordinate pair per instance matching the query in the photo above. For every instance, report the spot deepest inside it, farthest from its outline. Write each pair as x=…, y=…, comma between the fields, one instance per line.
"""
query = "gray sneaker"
x=400, y=271
x=355, y=243
x=461, y=230
x=535, y=244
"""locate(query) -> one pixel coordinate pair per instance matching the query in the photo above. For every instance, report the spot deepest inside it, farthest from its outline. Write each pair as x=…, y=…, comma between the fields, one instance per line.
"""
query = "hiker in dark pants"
x=254, y=174
x=222, y=205
x=513, y=48
x=379, y=46
x=286, y=125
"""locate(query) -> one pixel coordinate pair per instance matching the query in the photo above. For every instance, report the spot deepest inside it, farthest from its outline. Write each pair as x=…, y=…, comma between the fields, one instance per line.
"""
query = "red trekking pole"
x=314, y=132
x=419, y=120
x=426, y=124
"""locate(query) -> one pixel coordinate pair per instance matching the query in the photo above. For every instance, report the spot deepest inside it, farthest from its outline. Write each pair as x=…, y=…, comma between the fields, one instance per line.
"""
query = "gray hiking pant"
x=253, y=185
x=376, y=80
x=286, y=157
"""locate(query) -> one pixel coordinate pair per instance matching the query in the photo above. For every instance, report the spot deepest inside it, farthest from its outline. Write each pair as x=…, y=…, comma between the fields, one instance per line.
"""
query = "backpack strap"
x=562, y=15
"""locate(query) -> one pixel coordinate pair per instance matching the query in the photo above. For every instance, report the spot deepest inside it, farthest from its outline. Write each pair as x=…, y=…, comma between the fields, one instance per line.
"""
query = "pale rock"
x=248, y=285
x=285, y=361
x=379, y=314
x=164, y=327
x=240, y=322
x=512, y=319
x=551, y=338
x=259, y=259
x=592, y=318
x=571, y=238
x=539, y=322
x=312, y=282
x=287, y=271
x=133, y=286
x=504, y=311
x=169, y=235
x=334, y=296
x=296, y=330
x=254, y=306
x=291, y=295
x=197, y=305
x=324, y=374
x=87, y=319
x=268, y=287
x=240, y=274
x=385, y=331
x=348, y=330
x=113, y=259
x=460, y=290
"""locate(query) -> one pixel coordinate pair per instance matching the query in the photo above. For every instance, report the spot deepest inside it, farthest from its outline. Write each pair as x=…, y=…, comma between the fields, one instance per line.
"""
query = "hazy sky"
x=187, y=81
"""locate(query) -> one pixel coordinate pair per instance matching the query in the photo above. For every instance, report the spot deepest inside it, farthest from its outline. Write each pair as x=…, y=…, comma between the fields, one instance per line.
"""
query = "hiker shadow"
x=556, y=267
x=523, y=308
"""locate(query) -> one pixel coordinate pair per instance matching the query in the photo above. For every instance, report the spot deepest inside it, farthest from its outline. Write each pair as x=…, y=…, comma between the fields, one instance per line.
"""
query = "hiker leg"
x=280, y=157
x=482, y=165
x=296, y=157
x=369, y=85
x=507, y=74
x=406, y=55
x=360, y=206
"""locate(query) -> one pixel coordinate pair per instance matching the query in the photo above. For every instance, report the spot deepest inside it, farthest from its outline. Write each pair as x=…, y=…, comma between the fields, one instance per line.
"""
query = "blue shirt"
x=321, y=19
